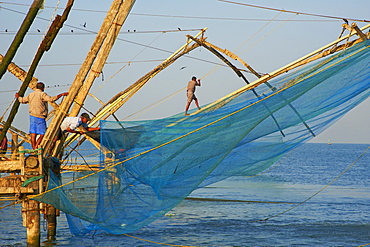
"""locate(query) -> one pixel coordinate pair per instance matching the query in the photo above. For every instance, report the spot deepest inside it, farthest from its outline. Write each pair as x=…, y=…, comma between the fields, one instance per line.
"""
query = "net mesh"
x=148, y=167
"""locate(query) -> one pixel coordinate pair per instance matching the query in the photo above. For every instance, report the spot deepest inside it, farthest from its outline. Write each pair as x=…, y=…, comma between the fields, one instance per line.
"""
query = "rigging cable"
x=127, y=64
x=295, y=12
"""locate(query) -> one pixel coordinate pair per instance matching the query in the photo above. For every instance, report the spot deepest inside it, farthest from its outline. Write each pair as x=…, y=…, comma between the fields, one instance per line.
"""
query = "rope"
x=128, y=63
x=268, y=34
x=201, y=17
x=6, y=110
x=294, y=12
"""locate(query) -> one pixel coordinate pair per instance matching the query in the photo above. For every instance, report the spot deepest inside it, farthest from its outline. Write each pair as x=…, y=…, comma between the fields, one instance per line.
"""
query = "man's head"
x=194, y=78
x=85, y=117
x=40, y=85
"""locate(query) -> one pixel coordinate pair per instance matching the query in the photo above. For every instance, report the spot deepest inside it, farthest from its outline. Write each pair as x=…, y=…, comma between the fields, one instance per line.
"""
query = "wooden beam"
x=10, y=166
x=63, y=110
x=233, y=56
x=359, y=32
x=20, y=73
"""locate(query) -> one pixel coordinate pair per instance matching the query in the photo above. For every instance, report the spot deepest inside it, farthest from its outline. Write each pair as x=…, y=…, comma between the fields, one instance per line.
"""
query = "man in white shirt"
x=70, y=124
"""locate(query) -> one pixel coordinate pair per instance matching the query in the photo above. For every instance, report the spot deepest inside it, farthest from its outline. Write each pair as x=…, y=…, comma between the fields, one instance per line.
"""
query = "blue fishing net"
x=148, y=167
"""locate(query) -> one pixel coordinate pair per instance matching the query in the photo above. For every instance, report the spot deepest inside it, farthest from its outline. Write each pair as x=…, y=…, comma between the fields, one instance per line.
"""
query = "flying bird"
x=179, y=28
x=183, y=67
x=84, y=25
x=38, y=30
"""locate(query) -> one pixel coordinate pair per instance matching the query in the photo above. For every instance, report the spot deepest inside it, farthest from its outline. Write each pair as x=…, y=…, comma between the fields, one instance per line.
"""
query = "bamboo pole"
x=96, y=69
x=62, y=112
x=21, y=74
x=18, y=39
x=44, y=46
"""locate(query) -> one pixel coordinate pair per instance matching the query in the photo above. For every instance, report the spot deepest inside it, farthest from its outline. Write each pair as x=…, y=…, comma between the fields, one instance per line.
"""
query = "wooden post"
x=51, y=218
x=31, y=220
x=14, y=146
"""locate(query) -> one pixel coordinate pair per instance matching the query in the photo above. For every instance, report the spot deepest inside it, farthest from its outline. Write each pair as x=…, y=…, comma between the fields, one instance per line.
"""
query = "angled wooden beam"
x=115, y=10
x=233, y=56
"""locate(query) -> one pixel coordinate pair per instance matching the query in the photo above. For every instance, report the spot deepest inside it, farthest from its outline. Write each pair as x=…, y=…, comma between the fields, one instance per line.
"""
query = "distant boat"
x=329, y=142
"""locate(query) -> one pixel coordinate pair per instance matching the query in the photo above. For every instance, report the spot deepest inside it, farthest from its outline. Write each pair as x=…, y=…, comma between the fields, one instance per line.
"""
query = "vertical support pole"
x=14, y=145
x=51, y=212
x=21, y=159
x=31, y=220
x=51, y=218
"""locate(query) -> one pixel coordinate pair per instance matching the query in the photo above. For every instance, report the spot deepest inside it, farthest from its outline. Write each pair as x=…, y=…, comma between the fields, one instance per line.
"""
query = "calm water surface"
x=245, y=211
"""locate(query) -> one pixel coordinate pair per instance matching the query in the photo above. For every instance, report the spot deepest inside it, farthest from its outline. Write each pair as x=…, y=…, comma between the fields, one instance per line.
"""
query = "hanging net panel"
x=148, y=167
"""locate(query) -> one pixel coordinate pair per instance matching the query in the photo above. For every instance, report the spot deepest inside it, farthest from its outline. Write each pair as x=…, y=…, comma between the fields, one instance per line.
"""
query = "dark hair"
x=85, y=115
x=194, y=78
x=40, y=85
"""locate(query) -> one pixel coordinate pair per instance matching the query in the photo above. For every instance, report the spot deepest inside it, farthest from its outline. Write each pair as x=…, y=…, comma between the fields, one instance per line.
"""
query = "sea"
x=319, y=195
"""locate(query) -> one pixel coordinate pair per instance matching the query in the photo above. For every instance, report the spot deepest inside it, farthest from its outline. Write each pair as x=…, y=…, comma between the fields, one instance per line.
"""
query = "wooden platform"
x=13, y=185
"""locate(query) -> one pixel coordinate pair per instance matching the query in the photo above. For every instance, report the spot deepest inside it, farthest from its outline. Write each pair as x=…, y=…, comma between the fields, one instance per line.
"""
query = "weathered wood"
x=20, y=73
x=359, y=32
x=21, y=134
x=44, y=46
x=81, y=168
x=18, y=39
x=31, y=218
x=14, y=146
x=51, y=218
x=62, y=112
x=233, y=56
x=96, y=69
x=13, y=185
x=10, y=166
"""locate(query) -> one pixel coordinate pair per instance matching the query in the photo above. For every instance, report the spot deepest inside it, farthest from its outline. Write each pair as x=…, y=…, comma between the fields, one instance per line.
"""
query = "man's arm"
x=23, y=100
x=92, y=129
x=74, y=131
x=48, y=98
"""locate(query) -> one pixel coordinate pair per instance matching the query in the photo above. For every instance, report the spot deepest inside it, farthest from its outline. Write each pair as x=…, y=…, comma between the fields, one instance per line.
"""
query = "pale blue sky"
x=247, y=31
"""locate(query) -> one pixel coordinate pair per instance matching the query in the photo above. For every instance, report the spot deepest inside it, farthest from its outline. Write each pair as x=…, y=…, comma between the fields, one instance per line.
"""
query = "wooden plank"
x=12, y=190
x=10, y=166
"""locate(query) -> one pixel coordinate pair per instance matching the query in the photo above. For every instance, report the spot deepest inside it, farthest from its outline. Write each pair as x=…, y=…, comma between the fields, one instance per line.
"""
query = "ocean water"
x=318, y=196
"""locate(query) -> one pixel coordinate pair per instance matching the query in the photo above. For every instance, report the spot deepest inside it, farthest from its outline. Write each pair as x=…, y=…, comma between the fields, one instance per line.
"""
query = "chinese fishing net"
x=148, y=167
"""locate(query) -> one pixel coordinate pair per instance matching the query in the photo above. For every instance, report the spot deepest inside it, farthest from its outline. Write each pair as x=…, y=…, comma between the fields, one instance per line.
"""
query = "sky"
x=264, y=38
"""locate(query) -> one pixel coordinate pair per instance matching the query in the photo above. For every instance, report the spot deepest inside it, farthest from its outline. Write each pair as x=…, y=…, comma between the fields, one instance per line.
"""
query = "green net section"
x=148, y=167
